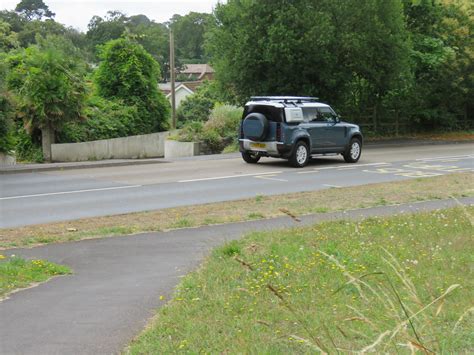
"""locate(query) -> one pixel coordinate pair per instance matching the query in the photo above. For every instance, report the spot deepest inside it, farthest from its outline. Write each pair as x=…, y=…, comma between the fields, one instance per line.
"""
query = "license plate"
x=257, y=145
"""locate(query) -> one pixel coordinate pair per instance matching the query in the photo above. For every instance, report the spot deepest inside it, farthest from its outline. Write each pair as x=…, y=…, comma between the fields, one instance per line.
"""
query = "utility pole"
x=173, y=79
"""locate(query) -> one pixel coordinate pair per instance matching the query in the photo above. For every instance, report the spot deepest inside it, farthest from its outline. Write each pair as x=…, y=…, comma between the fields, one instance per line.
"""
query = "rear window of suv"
x=272, y=113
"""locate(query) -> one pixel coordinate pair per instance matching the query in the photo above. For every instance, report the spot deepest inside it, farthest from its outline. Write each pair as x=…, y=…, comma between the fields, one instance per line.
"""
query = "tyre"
x=300, y=156
x=353, y=151
x=255, y=126
x=250, y=158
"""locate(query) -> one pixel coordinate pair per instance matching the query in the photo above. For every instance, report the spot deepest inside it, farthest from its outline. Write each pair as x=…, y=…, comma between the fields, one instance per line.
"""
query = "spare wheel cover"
x=255, y=126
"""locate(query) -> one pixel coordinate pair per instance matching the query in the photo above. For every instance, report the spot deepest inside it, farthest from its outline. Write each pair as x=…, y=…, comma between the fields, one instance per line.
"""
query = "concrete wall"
x=7, y=160
x=143, y=146
x=175, y=149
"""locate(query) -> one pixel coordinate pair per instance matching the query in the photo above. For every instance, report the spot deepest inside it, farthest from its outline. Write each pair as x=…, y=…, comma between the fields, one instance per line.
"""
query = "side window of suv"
x=311, y=114
x=327, y=114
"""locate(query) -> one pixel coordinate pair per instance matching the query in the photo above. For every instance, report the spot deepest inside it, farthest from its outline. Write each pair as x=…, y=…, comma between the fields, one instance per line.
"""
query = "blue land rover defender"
x=295, y=128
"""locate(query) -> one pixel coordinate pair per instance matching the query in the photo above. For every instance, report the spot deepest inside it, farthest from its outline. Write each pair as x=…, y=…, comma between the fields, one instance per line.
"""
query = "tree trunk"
x=47, y=138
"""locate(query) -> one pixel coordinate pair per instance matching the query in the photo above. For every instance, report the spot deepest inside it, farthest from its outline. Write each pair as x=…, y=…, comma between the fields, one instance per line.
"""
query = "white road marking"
x=347, y=167
x=269, y=177
x=336, y=186
x=70, y=192
x=231, y=176
x=458, y=157
x=308, y=172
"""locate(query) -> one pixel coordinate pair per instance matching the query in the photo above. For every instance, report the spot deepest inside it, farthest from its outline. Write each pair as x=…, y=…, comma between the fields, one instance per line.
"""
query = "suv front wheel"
x=353, y=151
x=300, y=156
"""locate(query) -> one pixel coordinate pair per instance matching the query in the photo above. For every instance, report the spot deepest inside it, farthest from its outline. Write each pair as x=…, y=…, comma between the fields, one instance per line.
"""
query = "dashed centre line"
x=269, y=177
x=71, y=192
x=231, y=176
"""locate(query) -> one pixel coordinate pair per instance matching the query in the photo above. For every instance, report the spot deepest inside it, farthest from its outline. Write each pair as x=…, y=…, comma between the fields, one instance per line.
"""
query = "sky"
x=77, y=13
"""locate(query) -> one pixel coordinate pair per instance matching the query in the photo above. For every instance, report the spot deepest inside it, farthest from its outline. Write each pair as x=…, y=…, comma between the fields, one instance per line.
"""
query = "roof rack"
x=285, y=98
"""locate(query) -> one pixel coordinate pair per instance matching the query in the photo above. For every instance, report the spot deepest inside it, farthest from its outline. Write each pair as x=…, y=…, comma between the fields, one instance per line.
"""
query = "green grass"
x=18, y=273
x=296, y=204
x=337, y=286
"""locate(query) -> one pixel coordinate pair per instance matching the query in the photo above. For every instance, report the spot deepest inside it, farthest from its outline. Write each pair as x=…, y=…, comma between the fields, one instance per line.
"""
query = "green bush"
x=27, y=146
x=129, y=73
x=190, y=132
x=195, y=107
x=6, y=112
x=6, y=138
x=222, y=127
x=104, y=119
x=198, y=106
x=220, y=130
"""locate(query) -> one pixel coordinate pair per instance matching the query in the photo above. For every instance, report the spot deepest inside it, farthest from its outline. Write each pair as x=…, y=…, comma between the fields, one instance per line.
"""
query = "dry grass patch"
x=439, y=187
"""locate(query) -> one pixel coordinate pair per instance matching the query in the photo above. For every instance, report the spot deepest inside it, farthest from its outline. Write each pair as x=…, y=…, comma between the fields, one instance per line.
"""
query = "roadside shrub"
x=195, y=107
x=6, y=112
x=190, y=132
x=6, y=138
x=105, y=119
x=27, y=146
x=198, y=106
x=127, y=72
x=220, y=130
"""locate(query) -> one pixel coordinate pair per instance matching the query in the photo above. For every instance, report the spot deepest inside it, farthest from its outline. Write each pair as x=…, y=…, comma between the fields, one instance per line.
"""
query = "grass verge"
x=387, y=285
x=16, y=273
x=329, y=200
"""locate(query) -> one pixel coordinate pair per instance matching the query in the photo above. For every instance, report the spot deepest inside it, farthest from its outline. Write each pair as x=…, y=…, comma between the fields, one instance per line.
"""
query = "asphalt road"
x=117, y=282
x=33, y=198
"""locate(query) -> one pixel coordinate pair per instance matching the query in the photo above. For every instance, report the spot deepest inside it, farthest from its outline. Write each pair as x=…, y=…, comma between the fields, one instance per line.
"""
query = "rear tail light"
x=278, y=132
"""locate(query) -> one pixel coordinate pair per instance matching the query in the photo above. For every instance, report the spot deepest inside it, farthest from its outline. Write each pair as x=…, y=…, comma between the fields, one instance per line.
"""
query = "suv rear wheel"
x=250, y=158
x=353, y=151
x=300, y=156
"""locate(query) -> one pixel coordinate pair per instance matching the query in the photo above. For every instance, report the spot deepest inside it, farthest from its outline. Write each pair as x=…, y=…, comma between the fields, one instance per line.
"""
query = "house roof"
x=198, y=69
x=189, y=86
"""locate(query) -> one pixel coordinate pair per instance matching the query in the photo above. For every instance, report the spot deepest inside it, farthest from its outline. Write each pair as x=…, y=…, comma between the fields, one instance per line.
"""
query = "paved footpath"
x=117, y=282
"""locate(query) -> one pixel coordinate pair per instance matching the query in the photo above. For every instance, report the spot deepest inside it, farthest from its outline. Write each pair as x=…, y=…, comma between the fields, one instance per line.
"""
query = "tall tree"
x=189, y=32
x=442, y=61
x=309, y=47
x=129, y=73
x=34, y=10
x=50, y=87
x=151, y=35
x=8, y=38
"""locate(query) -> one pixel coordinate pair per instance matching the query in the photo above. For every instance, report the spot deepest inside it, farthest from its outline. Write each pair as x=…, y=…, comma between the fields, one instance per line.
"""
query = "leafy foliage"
x=34, y=9
x=104, y=119
x=414, y=57
x=198, y=106
x=49, y=83
x=218, y=132
x=6, y=112
x=27, y=144
x=129, y=73
x=8, y=38
x=277, y=47
x=190, y=33
x=442, y=62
